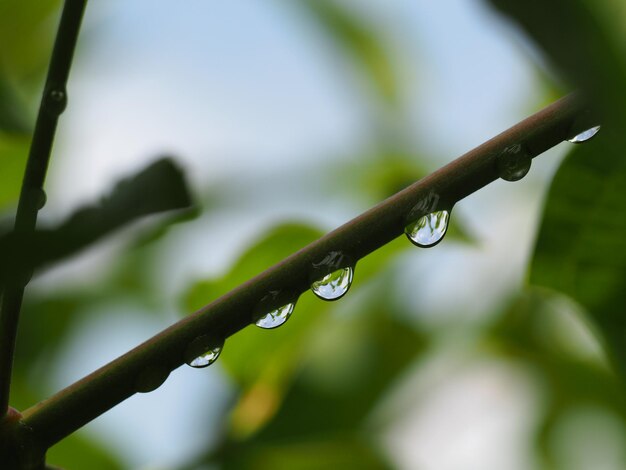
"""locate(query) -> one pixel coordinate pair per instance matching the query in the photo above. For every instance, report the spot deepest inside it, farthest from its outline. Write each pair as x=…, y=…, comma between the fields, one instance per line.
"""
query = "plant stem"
x=147, y=366
x=32, y=196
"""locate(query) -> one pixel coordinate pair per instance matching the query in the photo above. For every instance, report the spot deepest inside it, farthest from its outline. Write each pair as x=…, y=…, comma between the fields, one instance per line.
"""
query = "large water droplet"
x=203, y=352
x=428, y=230
x=274, y=309
x=585, y=135
x=276, y=317
x=333, y=285
x=207, y=358
x=514, y=162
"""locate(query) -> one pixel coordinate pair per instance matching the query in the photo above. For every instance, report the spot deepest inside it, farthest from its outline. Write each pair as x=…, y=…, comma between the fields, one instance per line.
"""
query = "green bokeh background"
x=324, y=390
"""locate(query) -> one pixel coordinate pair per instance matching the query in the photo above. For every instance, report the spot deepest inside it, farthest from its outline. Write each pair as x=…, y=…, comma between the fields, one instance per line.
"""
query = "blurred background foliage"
x=336, y=385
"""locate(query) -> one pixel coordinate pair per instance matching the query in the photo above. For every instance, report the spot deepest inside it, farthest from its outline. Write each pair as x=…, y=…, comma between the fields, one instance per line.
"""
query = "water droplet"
x=203, y=352
x=514, y=162
x=276, y=317
x=332, y=276
x=57, y=95
x=428, y=230
x=207, y=358
x=333, y=285
x=274, y=309
x=585, y=135
x=57, y=101
x=42, y=197
x=151, y=378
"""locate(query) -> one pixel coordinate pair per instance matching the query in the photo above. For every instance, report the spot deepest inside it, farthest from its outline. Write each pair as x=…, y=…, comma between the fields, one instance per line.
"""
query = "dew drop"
x=203, y=352
x=514, y=163
x=57, y=101
x=207, y=358
x=333, y=285
x=276, y=317
x=274, y=309
x=41, y=199
x=585, y=135
x=428, y=230
x=57, y=95
x=151, y=378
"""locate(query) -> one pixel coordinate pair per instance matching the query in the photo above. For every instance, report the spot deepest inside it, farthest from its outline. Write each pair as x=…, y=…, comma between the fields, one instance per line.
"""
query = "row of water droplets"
x=513, y=164
x=332, y=284
x=331, y=279
x=328, y=286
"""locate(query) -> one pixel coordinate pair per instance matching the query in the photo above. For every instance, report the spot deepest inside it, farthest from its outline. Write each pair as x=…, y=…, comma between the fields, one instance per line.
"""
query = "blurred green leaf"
x=13, y=154
x=586, y=40
x=25, y=28
x=581, y=248
x=14, y=117
x=342, y=373
x=45, y=326
x=366, y=367
x=539, y=329
x=352, y=34
x=79, y=451
x=331, y=451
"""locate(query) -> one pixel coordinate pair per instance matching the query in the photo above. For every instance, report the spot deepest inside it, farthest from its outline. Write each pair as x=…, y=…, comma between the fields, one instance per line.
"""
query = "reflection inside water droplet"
x=206, y=359
x=514, y=163
x=276, y=317
x=274, y=309
x=333, y=285
x=428, y=230
x=203, y=352
x=585, y=135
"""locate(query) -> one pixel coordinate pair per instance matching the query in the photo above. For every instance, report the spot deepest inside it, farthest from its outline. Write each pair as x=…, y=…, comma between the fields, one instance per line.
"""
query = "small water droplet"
x=57, y=95
x=274, y=309
x=428, y=230
x=333, y=285
x=42, y=197
x=151, y=378
x=57, y=101
x=514, y=162
x=203, y=351
x=585, y=135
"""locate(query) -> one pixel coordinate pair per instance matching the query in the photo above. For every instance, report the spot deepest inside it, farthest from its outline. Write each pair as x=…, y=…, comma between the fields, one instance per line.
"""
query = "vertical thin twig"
x=32, y=195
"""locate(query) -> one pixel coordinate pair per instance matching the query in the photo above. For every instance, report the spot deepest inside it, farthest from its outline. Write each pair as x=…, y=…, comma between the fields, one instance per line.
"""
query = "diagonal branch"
x=32, y=195
x=147, y=366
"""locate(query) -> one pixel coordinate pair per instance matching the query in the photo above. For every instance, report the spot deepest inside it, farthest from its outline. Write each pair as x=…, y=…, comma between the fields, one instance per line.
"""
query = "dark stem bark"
x=32, y=194
x=148, y=365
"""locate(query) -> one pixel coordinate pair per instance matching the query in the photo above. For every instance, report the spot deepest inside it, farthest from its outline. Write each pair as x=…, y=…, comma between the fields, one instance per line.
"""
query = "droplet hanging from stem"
x=429, y=229
x=274, y=309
